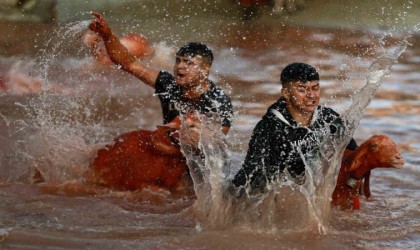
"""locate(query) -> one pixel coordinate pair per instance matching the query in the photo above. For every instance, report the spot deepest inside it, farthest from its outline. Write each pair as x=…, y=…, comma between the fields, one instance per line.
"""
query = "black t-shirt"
x=214, y=100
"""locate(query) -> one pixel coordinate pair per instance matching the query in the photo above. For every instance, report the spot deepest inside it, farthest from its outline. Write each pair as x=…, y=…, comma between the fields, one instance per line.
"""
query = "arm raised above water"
x=119, y=54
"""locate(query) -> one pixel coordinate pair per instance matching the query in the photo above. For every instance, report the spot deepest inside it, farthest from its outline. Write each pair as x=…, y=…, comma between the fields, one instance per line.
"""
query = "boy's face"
x=303, y=97
x=190, y=71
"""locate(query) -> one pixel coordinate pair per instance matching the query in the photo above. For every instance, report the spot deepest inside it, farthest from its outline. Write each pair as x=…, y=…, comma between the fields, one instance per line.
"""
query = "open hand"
x=100, y=25
x=191, y=130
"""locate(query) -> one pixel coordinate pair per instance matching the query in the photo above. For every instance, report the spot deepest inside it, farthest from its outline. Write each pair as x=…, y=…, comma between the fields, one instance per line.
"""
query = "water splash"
x=220, y=205
x=323, y=166
x=286, y=205
x=51, y=135
x=217, y=202
x=210, y=170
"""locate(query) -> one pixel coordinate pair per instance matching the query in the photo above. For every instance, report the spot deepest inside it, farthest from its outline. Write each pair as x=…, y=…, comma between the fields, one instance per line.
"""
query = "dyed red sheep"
x=141, y=159
x=379, y=151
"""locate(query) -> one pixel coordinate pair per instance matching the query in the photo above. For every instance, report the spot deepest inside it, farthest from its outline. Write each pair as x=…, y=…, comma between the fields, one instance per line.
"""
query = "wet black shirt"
x=214, y=100
x=278, y=143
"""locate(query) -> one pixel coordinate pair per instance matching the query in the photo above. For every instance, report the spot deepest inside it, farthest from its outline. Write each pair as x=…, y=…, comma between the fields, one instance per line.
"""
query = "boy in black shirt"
x=187, y=90
x=291, y=128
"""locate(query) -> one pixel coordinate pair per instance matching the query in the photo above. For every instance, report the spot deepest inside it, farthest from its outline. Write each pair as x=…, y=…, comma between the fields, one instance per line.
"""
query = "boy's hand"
x=100, y=26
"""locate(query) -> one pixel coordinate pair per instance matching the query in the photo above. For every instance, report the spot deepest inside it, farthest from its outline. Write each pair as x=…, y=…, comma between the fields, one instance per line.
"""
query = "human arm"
x=119, y=54
x=192, y=128
x=258, y=154
x=97, y=48
x=225, y=111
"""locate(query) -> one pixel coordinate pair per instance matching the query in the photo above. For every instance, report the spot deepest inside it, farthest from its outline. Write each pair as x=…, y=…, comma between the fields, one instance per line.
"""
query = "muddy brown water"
x=58, y=131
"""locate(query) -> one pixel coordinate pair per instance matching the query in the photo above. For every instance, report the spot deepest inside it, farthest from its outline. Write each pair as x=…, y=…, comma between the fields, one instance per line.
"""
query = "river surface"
x=57, y=106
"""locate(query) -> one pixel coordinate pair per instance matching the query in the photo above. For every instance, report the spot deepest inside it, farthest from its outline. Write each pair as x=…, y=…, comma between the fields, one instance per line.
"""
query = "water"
x=78, y=106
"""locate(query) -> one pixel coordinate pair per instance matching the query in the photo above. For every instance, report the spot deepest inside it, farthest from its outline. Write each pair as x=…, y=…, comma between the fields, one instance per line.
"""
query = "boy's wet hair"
x=196, y=49
x=301, y=72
